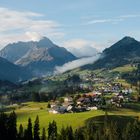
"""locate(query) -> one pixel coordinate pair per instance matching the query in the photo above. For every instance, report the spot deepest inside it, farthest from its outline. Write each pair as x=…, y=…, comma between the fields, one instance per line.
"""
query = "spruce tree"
x=36, y=129
x=29, y=130
x=79, y=135
x=69, y=133
x=3, y=125
x=43, y=137
x=63, y=134
x=21, y=132
x=12, y=127
x=52, y=131
x=25, y=135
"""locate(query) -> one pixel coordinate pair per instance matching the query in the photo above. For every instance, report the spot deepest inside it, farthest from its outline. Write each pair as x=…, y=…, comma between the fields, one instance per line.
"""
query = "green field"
x=124, y=69
x=32, y=109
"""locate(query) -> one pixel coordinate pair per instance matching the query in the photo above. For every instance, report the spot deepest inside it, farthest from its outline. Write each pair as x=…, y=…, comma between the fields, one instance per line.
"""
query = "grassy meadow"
x=32, y=109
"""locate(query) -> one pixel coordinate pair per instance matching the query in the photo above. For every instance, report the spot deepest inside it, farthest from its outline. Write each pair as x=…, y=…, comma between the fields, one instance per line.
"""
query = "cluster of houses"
x=94, y=100
x=79, y=104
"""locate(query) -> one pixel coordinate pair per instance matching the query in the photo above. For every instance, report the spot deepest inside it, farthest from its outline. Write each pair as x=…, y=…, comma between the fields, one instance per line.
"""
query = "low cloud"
x=81, y=47
x=76, y=63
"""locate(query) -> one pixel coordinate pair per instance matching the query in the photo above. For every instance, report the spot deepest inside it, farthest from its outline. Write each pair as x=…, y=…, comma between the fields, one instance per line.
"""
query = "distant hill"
x=40, y=57
x=125, y=51
x=11, y=72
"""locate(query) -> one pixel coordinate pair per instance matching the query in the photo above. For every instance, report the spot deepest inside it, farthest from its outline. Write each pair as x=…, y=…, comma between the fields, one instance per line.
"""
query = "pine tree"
x=3, y=125
x=36, y=129
x=21, y=132
x=63, y=134
x=79, y=135
x=52, y=131
x=12, y=127
x=49, y=130
x=69, y=133
x=43, y=134
x=29, y=130
x=25, y=135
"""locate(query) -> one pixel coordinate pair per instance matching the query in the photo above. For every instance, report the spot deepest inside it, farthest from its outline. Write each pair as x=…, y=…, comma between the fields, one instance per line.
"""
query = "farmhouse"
x=58, y=109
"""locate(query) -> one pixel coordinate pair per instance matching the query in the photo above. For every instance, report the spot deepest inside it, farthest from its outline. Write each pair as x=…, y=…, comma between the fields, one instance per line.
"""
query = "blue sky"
x=70, y=23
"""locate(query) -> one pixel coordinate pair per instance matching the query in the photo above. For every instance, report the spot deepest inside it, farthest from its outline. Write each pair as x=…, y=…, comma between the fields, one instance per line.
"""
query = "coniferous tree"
x=12, y=127
x=20, y=133
x=43, y=137
x=25, y=135
x=63, y=134
x=79, y=135
x=29, y=130
x=36, y=129
x=52, y=131
x=3, y=125
x=69, y=133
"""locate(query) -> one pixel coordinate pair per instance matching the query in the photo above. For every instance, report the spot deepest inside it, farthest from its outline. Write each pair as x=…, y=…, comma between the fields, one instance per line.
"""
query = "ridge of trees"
x=92, y=131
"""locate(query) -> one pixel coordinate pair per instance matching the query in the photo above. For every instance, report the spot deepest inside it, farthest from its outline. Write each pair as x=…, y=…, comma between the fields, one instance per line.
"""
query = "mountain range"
x=24, y=60
x=37, y=57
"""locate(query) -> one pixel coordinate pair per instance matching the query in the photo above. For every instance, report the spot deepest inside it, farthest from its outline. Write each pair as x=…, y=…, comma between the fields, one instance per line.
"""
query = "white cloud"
x=21, y=25
x=80, y=47
x=76, y=63
x=33, y=36
x=98, y=21
x=113, y=20
x=105, y=21
x=130, y=16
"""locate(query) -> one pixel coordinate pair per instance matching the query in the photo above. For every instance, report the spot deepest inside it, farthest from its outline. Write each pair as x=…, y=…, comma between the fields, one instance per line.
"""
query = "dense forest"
x=91, y=131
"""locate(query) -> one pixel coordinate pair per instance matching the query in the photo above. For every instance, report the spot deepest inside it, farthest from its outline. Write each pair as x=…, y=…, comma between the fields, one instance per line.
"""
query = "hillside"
x=124, y=52
x=11, y=72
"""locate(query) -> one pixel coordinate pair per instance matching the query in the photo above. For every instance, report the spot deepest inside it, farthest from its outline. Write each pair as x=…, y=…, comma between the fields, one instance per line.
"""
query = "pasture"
x=32, y=109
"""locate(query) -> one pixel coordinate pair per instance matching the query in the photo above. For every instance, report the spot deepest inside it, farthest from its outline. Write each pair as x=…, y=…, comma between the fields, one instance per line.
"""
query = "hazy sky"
x=79, y=23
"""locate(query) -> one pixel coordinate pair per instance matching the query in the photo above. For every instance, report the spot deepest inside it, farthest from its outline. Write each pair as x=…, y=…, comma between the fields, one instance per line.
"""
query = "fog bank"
x=76, y=63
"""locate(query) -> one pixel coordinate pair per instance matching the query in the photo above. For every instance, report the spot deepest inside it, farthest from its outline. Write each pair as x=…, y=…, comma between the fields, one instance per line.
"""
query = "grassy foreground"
x=32, y=109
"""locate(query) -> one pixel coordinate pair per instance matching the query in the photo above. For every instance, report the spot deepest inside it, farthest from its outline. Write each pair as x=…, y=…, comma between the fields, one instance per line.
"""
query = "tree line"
x=91, y=131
